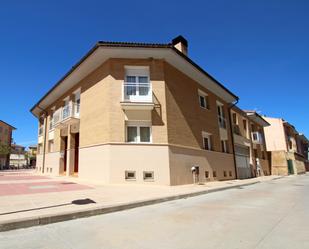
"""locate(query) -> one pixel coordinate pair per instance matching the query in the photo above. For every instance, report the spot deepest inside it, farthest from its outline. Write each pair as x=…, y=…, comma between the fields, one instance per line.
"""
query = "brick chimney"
x=181, y=44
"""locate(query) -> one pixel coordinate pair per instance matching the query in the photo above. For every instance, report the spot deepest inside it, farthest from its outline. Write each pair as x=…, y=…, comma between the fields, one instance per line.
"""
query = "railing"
x=137, y=92
x=66, y=112
x=257, y=137
x=222, y=122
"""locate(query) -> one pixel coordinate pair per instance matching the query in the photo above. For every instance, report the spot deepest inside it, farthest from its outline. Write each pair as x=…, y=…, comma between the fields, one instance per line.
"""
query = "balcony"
x=236, y=130
x=257, y=137
x=66, y=115
x=222, y=122
x=137, y=96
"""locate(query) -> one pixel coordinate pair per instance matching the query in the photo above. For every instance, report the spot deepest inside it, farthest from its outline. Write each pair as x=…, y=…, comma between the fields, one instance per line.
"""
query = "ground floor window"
x=138, y=132
x=206, y=174
x=130, y=175
x=214, y=174
x=148, y=175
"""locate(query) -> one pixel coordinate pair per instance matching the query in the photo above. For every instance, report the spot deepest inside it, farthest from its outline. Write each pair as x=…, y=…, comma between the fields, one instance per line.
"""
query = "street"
x=272, y=214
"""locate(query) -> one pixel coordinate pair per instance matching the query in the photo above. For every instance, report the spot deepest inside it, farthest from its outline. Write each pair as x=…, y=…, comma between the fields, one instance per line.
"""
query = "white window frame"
x=137, y=71
x=203, y=95
x=208, y=136
x=138, y=125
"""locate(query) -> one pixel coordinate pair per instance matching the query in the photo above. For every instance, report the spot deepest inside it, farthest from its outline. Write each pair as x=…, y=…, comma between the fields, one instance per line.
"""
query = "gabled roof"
x=104, y=50
x=13, y=128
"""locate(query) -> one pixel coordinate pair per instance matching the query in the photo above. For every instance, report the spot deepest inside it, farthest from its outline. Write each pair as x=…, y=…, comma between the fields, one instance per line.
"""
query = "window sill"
x=132, y=180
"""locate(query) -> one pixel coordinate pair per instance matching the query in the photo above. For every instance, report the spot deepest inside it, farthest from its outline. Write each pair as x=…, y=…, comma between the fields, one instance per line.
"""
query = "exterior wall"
x=185, y=122
x=52, y=162
x=103, y=163
x=182, y=159
x=279, y=163
x=274, y=135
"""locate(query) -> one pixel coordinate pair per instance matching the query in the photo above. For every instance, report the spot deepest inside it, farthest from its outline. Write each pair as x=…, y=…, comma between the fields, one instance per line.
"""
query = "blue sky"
x=258, y=49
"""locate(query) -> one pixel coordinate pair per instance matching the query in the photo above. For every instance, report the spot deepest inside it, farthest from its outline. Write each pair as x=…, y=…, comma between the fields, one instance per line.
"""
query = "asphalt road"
x=273, y=214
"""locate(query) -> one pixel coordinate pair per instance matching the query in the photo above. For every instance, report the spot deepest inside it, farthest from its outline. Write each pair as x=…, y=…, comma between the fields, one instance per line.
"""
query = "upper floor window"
x=137, y=84
x=221, y=115
x=206, y=141
x=203, y=99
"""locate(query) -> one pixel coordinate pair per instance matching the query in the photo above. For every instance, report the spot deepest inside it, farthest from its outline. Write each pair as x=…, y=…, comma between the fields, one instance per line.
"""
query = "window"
x=40, y=149
x=51, y=121
x=1, y=129
x=206, y=174
x=137, y=84
x=224, y=146
x=255, y=153
x=51, y=146
x=138, y=133
x=148, y=175
x=214, y=174
x=234, y=118
x=130, y=175
x=206, y=141
x=230, y=173
x=221, y=116
x=224, y=173
x=245, y=124
x=203, y=99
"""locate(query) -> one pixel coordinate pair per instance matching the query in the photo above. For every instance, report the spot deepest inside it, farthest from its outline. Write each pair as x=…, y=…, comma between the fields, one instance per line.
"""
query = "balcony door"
x=137, y=88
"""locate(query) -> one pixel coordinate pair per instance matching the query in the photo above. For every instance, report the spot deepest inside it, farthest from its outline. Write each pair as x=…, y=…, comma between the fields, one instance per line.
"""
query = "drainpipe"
x=232, y=135
x=44, y=140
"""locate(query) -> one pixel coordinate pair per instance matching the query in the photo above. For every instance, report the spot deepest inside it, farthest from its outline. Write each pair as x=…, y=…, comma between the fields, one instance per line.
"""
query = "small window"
x=224, y=146
x=224, y=173
x=230, y=173
x=234, y=118
x=148, y=175
x=203, y=99
x=214, y=174
x=206, y=141
x=130, y=175
x=50, y=170
x=206, y=174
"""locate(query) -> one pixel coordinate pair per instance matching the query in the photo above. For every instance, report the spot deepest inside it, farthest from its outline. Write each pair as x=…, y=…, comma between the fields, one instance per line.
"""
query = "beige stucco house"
x=136, y=113
x=282, y=140
x=249, y=144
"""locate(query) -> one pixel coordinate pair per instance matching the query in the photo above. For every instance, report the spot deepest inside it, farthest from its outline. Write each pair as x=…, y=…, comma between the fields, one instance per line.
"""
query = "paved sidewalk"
x=46, y=200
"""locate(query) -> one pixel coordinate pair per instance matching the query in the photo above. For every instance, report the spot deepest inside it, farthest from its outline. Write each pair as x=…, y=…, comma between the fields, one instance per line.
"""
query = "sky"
x=258, y=49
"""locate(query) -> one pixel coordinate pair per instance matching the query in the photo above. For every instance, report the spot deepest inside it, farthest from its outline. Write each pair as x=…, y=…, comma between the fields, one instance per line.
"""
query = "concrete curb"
x=64, y=216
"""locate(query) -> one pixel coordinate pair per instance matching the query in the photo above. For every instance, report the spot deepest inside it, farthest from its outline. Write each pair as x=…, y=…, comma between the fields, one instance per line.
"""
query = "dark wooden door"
x=76, y=153
x=65, y=140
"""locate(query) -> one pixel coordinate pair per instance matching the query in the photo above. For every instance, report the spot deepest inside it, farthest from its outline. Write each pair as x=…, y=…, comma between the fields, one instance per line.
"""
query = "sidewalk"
x=35, y=200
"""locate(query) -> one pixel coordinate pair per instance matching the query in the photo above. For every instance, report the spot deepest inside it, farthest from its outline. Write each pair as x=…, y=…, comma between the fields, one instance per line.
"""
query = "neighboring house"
x=18, y=156
x=249, y=144
x=281, y=141
x=303, y=149
x=5, y=143
x=32, y=152
x=137, y=112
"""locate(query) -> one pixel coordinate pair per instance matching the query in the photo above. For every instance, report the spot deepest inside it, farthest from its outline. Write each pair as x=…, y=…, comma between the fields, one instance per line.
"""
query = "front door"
x=65, y=148
x=290, y=167
x=76, y=153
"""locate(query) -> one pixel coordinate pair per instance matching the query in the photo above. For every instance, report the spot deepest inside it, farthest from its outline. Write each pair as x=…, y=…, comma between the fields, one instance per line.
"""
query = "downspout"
x=44, y=140
x=232, y=135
